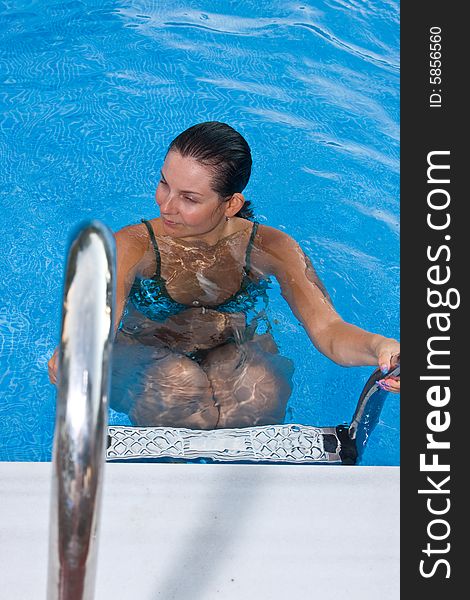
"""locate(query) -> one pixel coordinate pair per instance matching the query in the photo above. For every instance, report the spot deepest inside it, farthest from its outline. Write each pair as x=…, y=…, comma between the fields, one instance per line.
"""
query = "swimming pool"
x=93, y=92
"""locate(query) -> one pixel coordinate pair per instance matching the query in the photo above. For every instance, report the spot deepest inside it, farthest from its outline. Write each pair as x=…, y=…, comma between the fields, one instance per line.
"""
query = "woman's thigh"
x=251, y=382
x=157, y=387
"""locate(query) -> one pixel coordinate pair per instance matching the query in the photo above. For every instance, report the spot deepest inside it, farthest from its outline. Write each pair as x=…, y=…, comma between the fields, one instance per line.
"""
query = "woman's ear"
x=234, y=204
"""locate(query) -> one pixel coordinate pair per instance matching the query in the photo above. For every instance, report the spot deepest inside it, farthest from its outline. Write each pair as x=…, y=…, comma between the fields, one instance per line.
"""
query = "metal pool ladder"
x=82, y=413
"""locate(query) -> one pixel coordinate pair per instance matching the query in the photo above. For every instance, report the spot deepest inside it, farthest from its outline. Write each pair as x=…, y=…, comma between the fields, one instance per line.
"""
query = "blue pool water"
x=91, y=95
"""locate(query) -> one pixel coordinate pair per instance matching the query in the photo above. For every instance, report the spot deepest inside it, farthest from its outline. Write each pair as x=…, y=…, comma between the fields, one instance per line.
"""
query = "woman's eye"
x=163, y=182
x=190, y=199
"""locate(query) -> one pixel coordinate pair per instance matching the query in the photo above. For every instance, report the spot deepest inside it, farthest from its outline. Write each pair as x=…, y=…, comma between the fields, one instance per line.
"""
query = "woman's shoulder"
x=270, y=238
x=135, y=233
x=272, y=248
x=132, y=242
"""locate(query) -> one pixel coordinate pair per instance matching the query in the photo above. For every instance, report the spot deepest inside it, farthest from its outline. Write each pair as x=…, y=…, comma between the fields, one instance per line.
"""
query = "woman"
x=194, y=348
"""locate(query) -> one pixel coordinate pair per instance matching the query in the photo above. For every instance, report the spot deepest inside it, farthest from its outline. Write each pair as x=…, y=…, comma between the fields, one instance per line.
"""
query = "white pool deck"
x=214, y=531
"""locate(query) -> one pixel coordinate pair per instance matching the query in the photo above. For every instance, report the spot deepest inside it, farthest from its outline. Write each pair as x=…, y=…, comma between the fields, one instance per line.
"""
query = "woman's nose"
x=168, y=203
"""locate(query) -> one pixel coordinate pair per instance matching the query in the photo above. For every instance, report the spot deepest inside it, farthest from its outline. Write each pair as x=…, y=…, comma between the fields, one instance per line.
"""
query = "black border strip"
x=427, y=127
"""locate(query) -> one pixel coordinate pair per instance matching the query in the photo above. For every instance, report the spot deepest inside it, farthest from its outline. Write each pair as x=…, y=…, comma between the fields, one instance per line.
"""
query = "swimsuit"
x=150, y=295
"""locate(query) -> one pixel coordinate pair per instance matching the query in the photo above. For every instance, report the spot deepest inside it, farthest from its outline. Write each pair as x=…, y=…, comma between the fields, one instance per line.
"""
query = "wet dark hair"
x=225, y=151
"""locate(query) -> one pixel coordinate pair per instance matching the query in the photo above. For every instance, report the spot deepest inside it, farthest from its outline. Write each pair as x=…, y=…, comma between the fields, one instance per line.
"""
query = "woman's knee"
x=249, y=362
x=252, y=386
x=176, y=392
x=177, y=372
x=152, y=383
x=130, y=363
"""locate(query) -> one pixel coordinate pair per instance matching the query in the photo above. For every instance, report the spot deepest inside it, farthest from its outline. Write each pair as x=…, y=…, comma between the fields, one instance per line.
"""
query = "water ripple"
x=367, y=55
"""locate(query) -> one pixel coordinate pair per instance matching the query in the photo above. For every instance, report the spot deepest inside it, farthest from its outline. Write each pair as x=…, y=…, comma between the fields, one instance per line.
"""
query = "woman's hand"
x=388, y=357
x=52, y=366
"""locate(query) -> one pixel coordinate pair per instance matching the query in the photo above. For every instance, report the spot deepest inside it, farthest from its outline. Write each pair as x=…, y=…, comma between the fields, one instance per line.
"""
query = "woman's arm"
x=301, y=287
x=131, y=244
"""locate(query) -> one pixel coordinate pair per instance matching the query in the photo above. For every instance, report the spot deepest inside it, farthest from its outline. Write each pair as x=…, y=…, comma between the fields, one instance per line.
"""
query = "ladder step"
x=290, y=443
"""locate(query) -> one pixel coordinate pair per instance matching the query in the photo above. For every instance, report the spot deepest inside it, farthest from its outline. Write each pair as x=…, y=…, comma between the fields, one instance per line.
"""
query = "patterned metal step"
x=274, y=443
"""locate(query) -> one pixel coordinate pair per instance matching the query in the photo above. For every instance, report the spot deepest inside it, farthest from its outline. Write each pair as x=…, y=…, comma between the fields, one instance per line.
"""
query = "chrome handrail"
x=368, y=409
x=82, y=413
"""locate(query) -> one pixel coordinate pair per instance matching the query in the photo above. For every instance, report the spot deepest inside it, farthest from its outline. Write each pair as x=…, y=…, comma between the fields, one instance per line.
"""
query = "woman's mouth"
x=169, y=223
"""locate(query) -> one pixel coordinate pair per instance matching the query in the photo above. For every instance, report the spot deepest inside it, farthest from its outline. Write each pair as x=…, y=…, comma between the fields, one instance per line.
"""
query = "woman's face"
x=188, y=204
